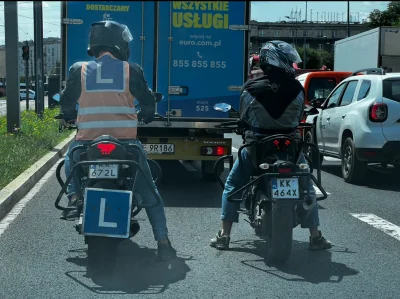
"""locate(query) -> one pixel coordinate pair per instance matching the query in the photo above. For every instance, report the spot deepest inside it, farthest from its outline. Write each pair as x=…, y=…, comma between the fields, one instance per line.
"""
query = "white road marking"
x=24, y=201
x=235, y=150
x=379, y=223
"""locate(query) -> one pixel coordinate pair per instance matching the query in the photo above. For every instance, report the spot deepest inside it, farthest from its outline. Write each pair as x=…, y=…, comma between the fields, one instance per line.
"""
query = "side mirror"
x=222, y=107
x=317, y=103
x=159, y=96
x=56, y=97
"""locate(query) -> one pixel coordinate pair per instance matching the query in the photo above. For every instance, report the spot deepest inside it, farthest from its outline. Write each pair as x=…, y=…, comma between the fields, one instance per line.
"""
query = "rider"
x=105, y=90
x=271, y=104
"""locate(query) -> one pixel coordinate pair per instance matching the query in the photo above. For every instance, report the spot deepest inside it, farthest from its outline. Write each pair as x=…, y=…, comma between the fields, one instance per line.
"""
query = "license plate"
x=108, y=171
x=285, y=188
x=159, y=149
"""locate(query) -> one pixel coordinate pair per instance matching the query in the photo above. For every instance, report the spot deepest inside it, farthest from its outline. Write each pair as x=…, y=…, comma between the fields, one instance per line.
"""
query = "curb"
x=11, y=194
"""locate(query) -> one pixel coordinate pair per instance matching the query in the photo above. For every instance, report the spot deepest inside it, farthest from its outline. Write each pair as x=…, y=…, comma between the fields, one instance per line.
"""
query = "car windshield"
x=391, y=89
x=320, y=88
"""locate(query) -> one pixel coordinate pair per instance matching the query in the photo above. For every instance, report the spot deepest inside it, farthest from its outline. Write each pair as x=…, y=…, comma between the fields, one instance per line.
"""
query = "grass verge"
x=19, y=151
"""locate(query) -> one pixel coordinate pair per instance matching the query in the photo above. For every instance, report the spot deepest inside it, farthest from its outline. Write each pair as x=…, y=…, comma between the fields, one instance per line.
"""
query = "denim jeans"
x=237, y=179
x=156, y=214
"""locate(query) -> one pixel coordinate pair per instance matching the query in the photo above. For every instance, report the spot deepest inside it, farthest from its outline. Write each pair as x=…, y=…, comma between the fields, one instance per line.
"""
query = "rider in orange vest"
x=105, y=90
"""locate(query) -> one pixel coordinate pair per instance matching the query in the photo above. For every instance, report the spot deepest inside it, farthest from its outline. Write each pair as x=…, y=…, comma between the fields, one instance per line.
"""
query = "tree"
x=327, y=59
x=388, y=17
x=313, y=59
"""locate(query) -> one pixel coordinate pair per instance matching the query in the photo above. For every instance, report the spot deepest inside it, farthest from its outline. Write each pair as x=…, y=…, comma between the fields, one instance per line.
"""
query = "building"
x=51, y=54
x=319, y=35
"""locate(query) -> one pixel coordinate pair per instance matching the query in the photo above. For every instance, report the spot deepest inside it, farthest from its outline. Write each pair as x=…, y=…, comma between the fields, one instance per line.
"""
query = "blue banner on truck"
x=137, y=15
x=199, y=56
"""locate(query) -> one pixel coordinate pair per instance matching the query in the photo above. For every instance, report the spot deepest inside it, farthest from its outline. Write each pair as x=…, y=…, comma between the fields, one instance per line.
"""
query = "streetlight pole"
x=305, y=40
x=348, y=18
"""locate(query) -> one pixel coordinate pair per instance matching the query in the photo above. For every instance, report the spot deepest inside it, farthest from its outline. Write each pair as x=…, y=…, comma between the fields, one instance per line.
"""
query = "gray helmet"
x=279, y=54
x=111, y=37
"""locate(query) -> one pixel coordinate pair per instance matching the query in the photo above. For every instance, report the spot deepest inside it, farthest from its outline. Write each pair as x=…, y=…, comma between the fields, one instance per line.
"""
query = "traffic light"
x=25, y=52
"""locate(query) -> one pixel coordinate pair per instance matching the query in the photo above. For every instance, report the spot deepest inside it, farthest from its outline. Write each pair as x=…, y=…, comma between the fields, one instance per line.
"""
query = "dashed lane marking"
x=379, y=223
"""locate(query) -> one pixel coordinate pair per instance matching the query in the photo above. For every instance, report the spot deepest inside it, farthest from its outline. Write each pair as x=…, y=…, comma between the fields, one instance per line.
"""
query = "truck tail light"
x=214, y=150
x=378, y=112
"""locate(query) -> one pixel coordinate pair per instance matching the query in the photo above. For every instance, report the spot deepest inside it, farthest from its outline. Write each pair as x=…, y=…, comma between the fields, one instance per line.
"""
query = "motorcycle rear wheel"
x=102, y=251
x=277, y=228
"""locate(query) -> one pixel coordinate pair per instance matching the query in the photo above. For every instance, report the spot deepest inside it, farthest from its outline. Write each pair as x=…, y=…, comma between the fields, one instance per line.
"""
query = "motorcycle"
x=277, y=198
x=104, y=173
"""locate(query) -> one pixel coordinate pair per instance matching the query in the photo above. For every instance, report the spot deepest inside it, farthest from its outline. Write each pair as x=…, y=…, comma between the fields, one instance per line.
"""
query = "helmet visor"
x=126, y=34
x=291, y=52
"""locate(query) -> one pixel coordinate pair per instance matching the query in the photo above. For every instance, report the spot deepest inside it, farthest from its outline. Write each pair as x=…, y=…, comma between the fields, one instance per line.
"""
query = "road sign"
x=107, y=213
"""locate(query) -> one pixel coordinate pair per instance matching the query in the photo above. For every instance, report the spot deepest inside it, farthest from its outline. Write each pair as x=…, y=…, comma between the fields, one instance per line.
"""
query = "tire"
x=207, y=170
x=277, y=227
x=310, y=152
x=102, y=251
x=353, y=170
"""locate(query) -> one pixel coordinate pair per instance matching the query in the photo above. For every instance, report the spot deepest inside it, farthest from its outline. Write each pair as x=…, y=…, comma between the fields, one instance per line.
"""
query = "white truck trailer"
x=379, y=47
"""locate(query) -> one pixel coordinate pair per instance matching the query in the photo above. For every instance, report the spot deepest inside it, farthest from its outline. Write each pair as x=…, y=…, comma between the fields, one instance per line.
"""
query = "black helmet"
x=111, y=37
x=279, y=54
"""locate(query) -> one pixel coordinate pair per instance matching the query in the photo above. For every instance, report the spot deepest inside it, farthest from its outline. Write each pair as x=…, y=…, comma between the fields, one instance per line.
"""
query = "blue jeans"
x=156, y=214
x=237, y=179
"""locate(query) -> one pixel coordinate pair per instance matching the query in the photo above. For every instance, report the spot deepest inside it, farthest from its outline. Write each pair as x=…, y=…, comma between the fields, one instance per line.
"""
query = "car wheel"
x=353, y=170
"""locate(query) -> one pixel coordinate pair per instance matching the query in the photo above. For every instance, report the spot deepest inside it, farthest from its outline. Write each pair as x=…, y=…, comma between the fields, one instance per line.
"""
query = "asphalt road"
x=43, y=257
x=3, y=105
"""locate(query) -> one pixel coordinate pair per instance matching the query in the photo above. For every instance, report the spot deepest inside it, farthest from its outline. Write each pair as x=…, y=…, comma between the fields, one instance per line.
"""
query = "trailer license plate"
x=159, y=149
x=107, y=171
x=285, y=188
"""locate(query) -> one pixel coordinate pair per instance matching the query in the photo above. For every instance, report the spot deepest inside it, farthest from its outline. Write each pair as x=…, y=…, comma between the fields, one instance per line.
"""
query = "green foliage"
x=315, y=59
x=19, y=151
x=388, y=17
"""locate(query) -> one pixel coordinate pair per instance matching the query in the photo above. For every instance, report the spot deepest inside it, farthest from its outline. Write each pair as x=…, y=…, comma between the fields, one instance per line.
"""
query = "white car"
x=359, y=123
x=22, y=94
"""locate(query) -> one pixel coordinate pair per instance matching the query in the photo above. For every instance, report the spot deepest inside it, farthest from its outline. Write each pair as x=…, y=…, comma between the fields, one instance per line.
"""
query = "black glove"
x=146, y=118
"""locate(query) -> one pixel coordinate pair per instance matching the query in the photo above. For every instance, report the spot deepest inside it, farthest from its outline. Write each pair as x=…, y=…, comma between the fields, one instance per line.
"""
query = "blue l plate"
x=107, y=213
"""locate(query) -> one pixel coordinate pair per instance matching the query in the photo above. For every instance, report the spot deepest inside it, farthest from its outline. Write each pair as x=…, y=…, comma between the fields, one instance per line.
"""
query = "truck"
x=193, y=52
x=376, y=48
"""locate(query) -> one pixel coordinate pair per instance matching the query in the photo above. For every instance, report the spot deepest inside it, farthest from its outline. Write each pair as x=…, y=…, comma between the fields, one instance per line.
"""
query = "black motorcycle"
x=277, y=198
x=105, y=172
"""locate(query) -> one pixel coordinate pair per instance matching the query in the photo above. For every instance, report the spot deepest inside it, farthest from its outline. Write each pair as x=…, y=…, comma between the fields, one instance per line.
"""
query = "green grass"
x=19, y=151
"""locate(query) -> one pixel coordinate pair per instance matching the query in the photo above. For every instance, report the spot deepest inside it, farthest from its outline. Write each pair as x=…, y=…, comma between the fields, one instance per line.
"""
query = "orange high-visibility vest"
x=106, y=106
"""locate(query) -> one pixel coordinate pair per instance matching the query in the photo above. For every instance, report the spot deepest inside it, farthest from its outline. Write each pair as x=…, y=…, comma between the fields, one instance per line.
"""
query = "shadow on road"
x=137, y=272
x=304, y=265
x=182, y=188
x=377, y=178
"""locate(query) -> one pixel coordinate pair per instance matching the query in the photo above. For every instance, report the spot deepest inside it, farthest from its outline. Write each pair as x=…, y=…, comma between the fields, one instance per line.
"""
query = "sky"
x=262, y=11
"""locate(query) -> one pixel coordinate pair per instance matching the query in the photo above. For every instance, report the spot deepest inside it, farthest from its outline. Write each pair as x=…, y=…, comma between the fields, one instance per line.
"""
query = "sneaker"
x=69, y=215
x=165, y=252
x=220, y=242
x=319, y=243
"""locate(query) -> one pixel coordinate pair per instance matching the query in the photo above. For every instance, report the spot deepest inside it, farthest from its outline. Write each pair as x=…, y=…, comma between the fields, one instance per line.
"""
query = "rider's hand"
x=145, y=118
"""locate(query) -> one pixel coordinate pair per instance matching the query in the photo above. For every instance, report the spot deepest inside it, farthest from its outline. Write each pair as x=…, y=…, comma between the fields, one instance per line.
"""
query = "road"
x=3, y=105
x=43, y=257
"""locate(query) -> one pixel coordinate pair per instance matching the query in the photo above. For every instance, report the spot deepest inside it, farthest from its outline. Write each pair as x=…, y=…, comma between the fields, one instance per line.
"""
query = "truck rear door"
x=201, y=56
x=78, y=17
